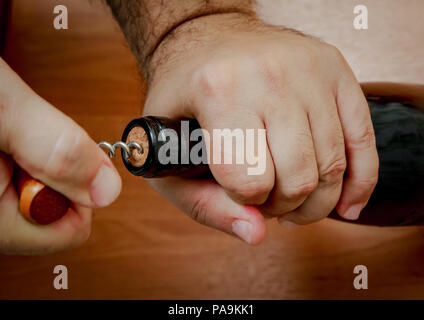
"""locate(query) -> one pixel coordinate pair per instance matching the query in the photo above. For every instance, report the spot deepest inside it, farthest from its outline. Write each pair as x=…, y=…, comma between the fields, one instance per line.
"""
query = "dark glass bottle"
x=399, y=195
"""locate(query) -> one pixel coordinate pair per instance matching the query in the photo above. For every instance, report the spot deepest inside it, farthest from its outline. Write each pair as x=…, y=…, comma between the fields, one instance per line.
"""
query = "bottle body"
x=398, y=198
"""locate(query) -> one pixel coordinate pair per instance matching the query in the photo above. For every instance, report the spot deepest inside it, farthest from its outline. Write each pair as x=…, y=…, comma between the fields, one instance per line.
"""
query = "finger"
x=248, y=183
x=294, y=160
x=207, y=203
x=52, y=147
x=231, y=140
x=19, y=236
x=316, y=207
x=330, y=154
x=360, y=145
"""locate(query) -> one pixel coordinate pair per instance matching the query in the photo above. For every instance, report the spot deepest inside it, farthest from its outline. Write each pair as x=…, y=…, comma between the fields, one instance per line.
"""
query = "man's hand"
x=230, y=70
x=55, y=150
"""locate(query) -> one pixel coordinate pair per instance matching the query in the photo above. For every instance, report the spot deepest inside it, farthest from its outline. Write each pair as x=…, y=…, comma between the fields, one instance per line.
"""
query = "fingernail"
x=288, y=224
x=105, y=186
x=243, y=229
x=353, y=212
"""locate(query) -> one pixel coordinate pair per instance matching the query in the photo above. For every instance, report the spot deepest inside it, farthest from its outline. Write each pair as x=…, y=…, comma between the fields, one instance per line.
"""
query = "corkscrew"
x=127, y=148
x=399, y=132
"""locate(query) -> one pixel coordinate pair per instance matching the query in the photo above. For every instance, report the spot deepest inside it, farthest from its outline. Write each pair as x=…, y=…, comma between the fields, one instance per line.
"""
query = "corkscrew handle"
x=37, y=202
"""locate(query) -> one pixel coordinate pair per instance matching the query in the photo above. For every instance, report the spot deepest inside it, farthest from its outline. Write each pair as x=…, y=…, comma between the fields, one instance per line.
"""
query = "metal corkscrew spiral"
x=126, y=147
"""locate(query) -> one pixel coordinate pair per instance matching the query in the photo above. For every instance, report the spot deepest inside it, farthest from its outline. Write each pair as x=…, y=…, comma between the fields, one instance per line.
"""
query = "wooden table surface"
x=141, y=246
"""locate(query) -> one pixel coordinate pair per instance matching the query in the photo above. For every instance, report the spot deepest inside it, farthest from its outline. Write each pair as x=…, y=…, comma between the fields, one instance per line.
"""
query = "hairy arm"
x=148, y=24
x=217, y=62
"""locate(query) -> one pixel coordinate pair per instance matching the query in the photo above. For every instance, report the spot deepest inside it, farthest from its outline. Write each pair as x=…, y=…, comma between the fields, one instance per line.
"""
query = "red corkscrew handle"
x=37, y=202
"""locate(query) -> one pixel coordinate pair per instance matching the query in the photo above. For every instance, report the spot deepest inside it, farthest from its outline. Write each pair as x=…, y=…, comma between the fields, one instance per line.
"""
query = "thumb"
x=52, y=147
x=207, y=203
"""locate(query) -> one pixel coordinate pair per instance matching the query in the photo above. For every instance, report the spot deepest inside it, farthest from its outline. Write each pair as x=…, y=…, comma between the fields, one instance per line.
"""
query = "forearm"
x=146, y=23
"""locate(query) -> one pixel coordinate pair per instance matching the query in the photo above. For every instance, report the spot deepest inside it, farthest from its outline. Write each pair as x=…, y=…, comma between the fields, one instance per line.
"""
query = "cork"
x=139, y=135
x=37, y=202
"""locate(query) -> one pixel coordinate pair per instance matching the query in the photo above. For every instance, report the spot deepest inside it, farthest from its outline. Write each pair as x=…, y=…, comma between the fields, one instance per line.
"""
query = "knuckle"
x=215, y=78
x=254, y=190
x=65, y=154
x=364, y=139
x=271, y=70
x=301, y=188
x=199, y=210
x=367, y=183
x=333, y=170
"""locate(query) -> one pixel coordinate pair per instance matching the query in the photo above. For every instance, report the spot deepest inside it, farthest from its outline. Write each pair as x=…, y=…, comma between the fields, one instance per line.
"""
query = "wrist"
x=194, y=33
